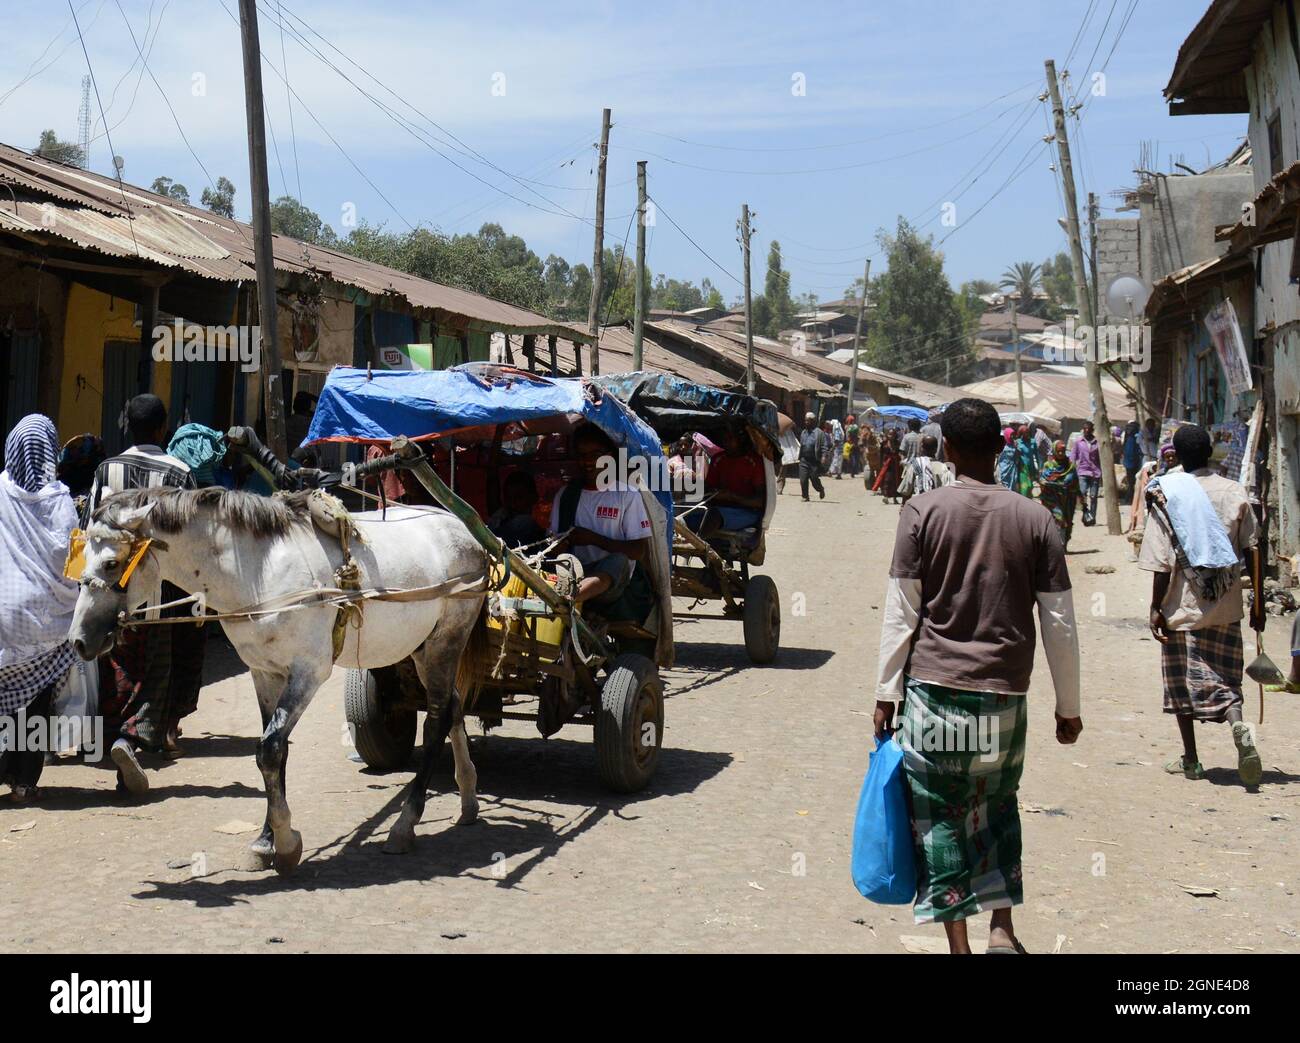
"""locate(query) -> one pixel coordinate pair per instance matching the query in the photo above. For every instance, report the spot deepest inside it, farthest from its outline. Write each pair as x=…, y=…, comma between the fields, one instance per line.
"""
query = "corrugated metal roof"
x=1053, y=394
x=89, y=211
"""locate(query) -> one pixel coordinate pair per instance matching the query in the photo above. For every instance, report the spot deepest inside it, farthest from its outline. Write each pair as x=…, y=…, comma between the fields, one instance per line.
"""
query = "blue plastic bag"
x=884, y=861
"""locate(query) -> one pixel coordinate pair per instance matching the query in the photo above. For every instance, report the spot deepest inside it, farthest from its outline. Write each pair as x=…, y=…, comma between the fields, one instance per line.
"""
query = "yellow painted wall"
x=92, y=319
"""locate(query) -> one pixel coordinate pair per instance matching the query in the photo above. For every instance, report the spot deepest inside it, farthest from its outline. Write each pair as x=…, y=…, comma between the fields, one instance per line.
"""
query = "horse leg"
x=401, y=837
x=268, y=687
x=272, y=751
x=466, y=773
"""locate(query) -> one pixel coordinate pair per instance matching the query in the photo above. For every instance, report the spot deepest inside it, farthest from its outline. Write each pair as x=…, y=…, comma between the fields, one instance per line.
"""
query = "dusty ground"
x=742, y=843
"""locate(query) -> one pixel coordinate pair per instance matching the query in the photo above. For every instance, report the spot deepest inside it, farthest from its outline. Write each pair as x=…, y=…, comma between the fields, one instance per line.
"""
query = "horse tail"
x=476, y=661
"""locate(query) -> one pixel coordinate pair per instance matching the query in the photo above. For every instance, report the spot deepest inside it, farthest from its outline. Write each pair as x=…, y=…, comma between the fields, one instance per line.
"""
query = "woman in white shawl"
x=36, y=601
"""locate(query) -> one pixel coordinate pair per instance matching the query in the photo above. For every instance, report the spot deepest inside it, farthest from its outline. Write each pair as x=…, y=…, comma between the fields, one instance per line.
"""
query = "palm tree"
x=1024, y=279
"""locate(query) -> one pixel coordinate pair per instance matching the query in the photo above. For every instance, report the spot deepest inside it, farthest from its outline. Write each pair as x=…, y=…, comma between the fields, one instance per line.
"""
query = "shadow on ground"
x=512, y=837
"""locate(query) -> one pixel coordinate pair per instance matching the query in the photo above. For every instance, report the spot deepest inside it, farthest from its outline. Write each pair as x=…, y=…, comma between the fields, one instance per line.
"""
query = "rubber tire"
x=619, y=721
x=762, y=619
x=385, y=740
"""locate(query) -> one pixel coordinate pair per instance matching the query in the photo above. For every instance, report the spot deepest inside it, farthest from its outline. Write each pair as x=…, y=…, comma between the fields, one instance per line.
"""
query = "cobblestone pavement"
x=740, y=843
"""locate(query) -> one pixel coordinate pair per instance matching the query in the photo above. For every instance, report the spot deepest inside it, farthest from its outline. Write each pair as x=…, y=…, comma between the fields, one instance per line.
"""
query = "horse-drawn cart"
x=713, y=564
x=461, y=435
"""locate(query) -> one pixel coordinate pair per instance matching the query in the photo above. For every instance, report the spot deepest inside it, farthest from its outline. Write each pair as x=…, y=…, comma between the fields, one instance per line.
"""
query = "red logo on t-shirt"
x=607, y=512
x=645, y=523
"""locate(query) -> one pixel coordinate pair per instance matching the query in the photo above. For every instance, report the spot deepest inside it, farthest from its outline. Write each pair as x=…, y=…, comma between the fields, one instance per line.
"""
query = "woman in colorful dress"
x=1059, y=489
x=1008, y=459
x=1026, y=462
x=890, y=467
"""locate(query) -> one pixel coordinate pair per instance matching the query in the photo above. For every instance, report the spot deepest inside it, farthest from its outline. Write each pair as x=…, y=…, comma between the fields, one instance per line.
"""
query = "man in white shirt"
x=608, y=522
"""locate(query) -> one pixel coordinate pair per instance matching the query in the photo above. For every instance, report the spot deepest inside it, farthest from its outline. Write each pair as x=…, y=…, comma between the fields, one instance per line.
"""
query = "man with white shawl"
x=36, y=601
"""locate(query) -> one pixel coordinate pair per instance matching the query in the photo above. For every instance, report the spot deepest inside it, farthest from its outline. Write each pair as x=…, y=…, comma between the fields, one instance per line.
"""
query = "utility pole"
x=1015, y=342
x=749, y=326
x=638, y=322
x=1093, y=210
x=857, y=338
x=272, y=396
x=598, y=258
x=1100, y=418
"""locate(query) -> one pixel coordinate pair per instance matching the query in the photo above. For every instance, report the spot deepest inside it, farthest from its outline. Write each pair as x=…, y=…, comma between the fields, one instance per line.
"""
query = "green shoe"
x=1248, y=765
x=1179, y=766
x=1290, y=687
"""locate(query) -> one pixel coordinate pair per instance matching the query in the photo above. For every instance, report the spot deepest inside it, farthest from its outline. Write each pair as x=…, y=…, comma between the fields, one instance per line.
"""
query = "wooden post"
x=749, y=328
x=577, y=358
x=463, y=337
x=530, y=351
x=638, y=322
x=148, y=320
x=555, y=361
x=1015, y=343
x=857, y=338
x=263, y=251
x=1101, y=418
x=510, y=352
x=598, y=257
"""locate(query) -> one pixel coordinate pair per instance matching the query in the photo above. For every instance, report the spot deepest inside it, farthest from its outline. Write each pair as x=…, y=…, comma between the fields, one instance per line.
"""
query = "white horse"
x=239, y=551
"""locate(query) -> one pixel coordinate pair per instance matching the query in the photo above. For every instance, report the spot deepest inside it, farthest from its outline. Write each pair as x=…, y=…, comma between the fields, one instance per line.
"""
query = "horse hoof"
x=263, y=846
x=256, y=860
x=400, y=841
x=468, y=814
x=287, y=861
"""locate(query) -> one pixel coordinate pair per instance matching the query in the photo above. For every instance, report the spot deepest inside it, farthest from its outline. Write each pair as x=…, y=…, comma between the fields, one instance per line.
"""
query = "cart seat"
x=735, y=540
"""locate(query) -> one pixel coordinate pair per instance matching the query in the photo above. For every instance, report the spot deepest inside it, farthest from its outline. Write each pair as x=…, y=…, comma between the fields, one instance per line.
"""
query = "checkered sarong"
x=1202, y=672
x=965, y=816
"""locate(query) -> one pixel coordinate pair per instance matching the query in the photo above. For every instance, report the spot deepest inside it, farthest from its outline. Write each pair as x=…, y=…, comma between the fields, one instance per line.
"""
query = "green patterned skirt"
x=963, y=755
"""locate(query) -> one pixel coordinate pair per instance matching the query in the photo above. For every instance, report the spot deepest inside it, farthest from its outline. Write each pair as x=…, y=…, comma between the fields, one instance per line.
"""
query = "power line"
x=660, y=209
x=823, y=170
x=333, y=140
x=90, y=69
x=834, y=144
x=293, y=136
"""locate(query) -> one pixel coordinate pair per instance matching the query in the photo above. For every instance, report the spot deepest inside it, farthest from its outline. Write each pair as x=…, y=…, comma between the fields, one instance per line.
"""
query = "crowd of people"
x=974, y=558
x=150, y=681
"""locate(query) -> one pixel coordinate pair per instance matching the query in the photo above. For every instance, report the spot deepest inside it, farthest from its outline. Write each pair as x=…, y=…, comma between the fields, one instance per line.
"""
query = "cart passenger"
x=610, y=530
x=737, y=485
x=513, y=521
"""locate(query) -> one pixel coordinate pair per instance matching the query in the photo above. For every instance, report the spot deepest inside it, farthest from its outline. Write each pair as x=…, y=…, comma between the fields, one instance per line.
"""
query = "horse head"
x=117, y=573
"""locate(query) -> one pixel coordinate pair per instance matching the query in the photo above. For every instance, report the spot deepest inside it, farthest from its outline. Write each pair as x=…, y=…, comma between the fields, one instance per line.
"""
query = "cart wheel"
x=384, y=735
x=629, y=724
x=762, y=619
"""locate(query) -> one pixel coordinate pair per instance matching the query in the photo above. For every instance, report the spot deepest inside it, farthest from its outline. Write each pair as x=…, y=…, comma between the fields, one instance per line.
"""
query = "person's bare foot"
x=1002, y=934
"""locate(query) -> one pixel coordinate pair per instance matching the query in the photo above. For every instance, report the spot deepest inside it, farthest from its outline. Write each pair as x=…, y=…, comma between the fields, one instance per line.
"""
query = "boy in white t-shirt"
x=610, y=524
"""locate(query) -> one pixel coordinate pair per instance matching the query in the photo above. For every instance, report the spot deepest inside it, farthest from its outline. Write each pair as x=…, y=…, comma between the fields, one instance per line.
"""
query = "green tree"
x=289, y=217
x=776, y=292
x=165, y=186
x=1023, y=280
x=1058, y=284
x=50, y=147
x=917, y=327
x=712, y=295
x=221, y=199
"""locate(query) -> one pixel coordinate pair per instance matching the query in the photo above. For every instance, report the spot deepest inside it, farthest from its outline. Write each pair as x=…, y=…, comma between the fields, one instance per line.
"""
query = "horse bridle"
x=75, y=564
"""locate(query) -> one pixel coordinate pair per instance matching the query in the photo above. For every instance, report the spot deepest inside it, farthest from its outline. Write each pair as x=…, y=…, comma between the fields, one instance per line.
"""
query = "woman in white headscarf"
x=36, y=601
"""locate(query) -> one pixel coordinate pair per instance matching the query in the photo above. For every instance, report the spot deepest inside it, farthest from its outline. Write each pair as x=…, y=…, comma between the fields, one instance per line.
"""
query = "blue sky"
x=829, y=119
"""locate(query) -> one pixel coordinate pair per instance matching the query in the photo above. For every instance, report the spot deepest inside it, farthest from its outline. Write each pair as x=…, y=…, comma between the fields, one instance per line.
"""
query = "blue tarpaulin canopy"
x=471, y=401
x=901, y=412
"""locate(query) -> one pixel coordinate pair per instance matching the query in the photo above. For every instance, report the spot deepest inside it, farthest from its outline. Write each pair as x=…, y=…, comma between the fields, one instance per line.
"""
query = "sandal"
x=1013, y=948
x=1179, y=766
x=1290, y=687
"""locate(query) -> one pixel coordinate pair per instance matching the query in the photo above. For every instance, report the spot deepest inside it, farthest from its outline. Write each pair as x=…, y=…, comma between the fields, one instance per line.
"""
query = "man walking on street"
x=1200, y=528
x=141, y=658
x=911, y=444
x=1086, y=455
x=971, y=562
x=814, y=446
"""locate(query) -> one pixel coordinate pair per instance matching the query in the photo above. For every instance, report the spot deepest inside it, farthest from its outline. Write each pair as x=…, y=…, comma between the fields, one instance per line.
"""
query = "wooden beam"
x=555, y=362
x=1208, y=106
x=530, y=351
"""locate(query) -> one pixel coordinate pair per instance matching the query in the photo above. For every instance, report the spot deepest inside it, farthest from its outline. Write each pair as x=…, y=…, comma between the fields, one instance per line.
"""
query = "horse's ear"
x=134, y=518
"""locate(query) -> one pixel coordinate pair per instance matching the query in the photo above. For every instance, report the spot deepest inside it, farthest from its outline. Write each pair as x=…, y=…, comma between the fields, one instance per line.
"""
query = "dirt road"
x=741, y=843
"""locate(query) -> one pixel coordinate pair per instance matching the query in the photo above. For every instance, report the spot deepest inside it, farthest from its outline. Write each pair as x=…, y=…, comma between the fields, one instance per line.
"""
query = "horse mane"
x=173, y=509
